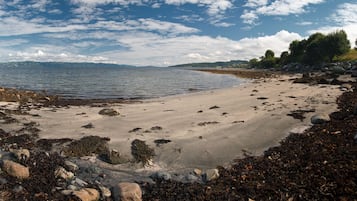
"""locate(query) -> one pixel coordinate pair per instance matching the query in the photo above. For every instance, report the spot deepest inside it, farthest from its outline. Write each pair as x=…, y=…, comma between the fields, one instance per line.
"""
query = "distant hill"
x=59, y=64
x=222, y=64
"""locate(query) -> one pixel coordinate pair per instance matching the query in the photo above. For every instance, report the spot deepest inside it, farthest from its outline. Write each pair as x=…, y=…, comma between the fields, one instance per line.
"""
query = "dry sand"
x=251, y=117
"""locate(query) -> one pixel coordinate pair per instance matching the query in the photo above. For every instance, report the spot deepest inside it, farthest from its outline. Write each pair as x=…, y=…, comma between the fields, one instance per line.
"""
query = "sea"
x=76, y=81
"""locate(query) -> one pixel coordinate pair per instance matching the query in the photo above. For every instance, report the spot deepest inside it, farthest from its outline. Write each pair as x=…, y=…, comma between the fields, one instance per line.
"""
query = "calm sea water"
x=105, y=82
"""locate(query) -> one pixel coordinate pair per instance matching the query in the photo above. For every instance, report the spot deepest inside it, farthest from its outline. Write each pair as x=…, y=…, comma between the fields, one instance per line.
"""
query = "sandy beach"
x=205, y=129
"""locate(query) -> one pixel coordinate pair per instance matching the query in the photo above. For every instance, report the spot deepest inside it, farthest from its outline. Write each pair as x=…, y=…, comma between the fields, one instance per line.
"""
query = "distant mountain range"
x=59, y=64
x=233, y=63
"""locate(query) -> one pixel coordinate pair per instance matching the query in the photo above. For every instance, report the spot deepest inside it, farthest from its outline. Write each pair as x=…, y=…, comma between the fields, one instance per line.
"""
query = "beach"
x=205, y=129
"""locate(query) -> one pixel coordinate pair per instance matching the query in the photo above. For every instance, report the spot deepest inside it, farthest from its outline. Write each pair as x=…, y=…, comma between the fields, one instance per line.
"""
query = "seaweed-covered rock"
x=87, y=145
x=141, y=151
x=109, y=112
x=320, y=118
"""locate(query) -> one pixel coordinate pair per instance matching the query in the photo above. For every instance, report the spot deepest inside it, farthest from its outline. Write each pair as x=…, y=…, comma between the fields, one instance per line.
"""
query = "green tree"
x=254, y=63
x=314, y=50
x=269, y=61
x=284, y=58
x=297, y=50
x=336, y=44
x=269, y=54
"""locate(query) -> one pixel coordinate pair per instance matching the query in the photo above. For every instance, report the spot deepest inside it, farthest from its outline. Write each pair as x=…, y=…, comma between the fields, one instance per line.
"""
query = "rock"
x=71, y=166
x=72, y=187
x=192, y=178
x=211, y=174
x=114, y=157
x=15, y=169
x=88, y=126
x=79, y=182
x=104, y=191
x=161, y=176
x=60, y=172
x=320, y=118
x=109, y=112
x=197, y=172
x=87, y=194
x=21, y=154
x=156, y=128
x=127, y=192
x=346, y=86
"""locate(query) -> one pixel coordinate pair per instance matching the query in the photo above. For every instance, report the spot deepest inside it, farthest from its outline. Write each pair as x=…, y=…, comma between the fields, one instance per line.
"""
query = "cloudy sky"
x=163, y=32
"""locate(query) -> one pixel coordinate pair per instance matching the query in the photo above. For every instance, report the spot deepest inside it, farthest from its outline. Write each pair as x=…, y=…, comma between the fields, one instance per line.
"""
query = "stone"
x=211, y=174
x=320, y=118
x=114, y=157
x=21, y=154
x=109, y=112
x=161, y=176
x=60, y=172
x=197, y=171
x=71, y=166
x=79, y=182
x=15, y=169
x=87, y=194
x=127, y=192
x=104, y=191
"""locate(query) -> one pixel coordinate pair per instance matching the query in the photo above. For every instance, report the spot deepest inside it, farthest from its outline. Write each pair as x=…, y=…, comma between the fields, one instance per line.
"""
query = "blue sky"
x=163, y=32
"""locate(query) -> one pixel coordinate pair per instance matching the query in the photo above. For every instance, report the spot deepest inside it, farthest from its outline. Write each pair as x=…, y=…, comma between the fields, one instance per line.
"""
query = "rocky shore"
x=318, y=164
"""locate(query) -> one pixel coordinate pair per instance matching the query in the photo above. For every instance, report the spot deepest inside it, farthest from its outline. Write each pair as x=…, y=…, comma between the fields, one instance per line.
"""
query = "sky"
x=163, y=32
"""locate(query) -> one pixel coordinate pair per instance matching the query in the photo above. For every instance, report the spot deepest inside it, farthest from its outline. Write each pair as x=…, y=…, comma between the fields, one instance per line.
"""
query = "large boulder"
x=15, y=169
x=320, y=118
x=127, y=192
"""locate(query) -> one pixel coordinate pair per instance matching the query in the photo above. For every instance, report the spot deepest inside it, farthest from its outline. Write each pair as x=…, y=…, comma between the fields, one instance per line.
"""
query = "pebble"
x=60, y=172
x=21, y=154
x=71, y=166
x=211, y=174
x=320, y=118
x=105, y=192
x=197, y=172
x=161, y=175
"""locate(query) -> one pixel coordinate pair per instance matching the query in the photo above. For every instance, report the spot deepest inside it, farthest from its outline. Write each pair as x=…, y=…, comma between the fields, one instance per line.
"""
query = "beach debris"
x=207, y=123
x=126, y=191
x=88, y=126
x=320, y=118
x=141, y=151
x=214, y=107
x=299, y=114
x=135, y=130
x=15, y=169
x=87, y=194
x=262, y=98
x=156, y=128
x=159, y=142
x=109, y=112
x=87, y=146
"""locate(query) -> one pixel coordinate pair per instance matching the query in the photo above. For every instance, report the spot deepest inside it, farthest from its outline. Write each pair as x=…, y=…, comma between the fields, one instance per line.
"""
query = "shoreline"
x=202, y=130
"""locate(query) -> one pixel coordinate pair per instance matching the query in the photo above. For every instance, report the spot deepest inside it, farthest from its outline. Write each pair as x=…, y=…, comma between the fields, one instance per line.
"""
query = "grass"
x=350, y=56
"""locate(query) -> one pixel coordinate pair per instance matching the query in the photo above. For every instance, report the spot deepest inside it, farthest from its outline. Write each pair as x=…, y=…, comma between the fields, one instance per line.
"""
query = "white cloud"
x=345, y=18
x=306, y=23
x=214, y=6
x=275, y=8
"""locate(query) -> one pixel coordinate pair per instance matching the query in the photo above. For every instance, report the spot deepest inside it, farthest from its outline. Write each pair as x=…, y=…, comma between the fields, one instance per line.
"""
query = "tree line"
x=315, y=50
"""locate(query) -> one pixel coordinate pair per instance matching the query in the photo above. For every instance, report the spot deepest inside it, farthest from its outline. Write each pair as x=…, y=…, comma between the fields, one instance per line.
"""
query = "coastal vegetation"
x=317, y=49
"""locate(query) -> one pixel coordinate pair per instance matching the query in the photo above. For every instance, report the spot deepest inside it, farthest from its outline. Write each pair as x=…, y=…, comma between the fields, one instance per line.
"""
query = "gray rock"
x=161, y=175
x=127, y=192
x=109, y=112
x=79, y=182
x=71, y=166
x=320, y=118
x=192, y=178
x=72, y=187
x=211, y=174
